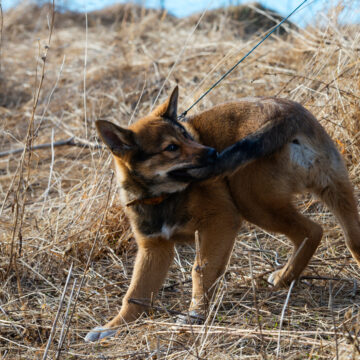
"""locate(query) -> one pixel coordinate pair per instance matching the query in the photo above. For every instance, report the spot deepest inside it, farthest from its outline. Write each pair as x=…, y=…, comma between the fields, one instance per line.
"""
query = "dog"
x=239, y=160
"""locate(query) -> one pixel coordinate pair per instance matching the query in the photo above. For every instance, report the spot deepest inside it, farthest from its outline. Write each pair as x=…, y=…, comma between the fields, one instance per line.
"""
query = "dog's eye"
x=172, y=147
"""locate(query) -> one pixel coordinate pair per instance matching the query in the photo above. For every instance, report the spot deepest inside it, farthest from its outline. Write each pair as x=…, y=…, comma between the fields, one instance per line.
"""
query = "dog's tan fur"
x=293, y=154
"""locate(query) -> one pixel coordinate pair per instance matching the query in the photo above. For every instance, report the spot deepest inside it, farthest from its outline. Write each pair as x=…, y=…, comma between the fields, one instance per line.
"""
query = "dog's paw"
x=273, y=278
x=99, y=333
x=193, y=318
x=278, y=280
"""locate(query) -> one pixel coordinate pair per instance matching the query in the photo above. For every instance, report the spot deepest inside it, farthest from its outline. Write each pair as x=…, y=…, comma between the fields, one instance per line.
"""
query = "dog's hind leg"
x=328, y=179
x=339, y=197
x=303, y=232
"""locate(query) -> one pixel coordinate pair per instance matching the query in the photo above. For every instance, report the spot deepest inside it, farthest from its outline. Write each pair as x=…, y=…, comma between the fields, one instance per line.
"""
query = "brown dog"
x=270, y=150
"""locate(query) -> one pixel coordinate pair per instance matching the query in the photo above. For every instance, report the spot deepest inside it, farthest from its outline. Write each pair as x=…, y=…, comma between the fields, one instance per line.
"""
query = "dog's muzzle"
x=194, y=173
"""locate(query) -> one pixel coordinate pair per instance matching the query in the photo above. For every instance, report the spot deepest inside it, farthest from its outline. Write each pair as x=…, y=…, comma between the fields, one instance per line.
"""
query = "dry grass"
x=63, y=200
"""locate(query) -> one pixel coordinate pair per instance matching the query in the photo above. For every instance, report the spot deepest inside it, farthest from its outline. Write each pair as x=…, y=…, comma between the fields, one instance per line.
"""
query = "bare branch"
x=67, y=142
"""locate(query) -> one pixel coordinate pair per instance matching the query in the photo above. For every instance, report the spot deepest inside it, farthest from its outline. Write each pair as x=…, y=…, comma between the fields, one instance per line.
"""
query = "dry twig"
x=53, y=329
x=68, y=142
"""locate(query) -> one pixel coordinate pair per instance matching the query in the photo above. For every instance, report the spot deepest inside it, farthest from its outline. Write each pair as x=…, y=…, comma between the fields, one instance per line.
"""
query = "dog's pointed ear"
x=171, y=104
x=119, y=140
x=169, y=108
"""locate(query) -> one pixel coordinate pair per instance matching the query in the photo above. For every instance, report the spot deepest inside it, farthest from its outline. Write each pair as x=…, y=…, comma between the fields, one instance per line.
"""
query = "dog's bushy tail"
x=270, y=138
x=262, y=143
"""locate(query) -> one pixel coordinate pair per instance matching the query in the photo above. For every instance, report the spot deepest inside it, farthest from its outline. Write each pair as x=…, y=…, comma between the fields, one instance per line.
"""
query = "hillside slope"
x=58, y=206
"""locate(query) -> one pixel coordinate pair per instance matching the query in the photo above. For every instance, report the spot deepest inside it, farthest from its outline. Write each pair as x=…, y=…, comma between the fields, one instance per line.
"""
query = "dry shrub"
x=113, y=233
x=71, y=212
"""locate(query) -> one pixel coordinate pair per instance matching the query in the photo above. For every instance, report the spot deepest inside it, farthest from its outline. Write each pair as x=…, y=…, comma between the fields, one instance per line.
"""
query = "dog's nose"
x=212, y=155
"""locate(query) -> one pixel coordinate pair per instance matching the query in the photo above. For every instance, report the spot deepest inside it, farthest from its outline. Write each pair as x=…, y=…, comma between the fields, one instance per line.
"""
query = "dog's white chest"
x=166, y=232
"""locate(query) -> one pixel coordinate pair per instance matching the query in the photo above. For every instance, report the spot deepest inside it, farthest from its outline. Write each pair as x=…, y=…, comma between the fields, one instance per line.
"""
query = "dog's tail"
x=273, y=136
x=265, y=142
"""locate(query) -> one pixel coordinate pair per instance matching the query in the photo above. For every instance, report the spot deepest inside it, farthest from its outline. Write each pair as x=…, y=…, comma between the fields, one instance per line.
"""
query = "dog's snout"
x=212, y=155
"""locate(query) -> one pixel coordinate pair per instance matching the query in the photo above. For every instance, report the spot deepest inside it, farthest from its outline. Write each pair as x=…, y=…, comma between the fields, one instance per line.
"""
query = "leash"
x=182, y=115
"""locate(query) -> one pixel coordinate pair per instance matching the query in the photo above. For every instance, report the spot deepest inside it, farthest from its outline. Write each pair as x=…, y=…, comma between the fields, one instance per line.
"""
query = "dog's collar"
x=148, y=201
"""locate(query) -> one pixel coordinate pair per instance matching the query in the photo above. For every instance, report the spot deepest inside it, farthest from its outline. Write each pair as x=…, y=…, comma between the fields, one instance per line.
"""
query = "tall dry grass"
x=63, y=199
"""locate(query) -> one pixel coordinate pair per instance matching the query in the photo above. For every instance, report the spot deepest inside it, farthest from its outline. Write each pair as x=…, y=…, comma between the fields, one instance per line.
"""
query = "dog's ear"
x=171, y=104
x=119, y=140
x=169, y=108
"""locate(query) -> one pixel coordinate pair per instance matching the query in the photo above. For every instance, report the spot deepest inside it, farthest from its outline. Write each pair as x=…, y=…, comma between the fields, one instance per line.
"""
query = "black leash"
x=182, y=116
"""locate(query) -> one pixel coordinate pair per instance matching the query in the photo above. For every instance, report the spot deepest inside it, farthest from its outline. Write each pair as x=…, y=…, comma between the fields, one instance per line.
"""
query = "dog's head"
x=157, y=151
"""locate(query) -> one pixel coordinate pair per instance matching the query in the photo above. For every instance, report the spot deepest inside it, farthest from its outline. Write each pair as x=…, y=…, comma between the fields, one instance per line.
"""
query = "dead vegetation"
x=60, y=207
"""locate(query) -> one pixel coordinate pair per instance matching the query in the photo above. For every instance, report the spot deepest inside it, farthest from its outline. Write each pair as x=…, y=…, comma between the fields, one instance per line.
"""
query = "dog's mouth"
x=192, y=174
x=183, y=174
x=196, y=172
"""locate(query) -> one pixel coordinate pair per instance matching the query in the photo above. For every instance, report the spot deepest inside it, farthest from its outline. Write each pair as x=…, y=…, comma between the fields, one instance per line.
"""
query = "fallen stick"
x=216, y=329
x=68, y=142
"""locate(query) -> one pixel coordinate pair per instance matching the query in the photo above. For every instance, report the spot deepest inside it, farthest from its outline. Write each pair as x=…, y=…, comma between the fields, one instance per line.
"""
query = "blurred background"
x=183, y=8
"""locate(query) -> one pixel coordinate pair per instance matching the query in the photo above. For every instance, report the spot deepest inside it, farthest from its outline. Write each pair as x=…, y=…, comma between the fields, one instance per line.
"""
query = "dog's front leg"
x=215, y=245
x=153, y=259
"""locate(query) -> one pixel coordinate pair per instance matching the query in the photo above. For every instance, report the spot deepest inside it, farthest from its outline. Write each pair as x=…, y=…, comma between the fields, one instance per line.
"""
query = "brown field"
x=59, y=213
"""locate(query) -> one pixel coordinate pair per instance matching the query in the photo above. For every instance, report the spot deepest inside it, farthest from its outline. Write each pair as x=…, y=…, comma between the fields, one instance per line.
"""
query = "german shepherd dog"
x=239, y=160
